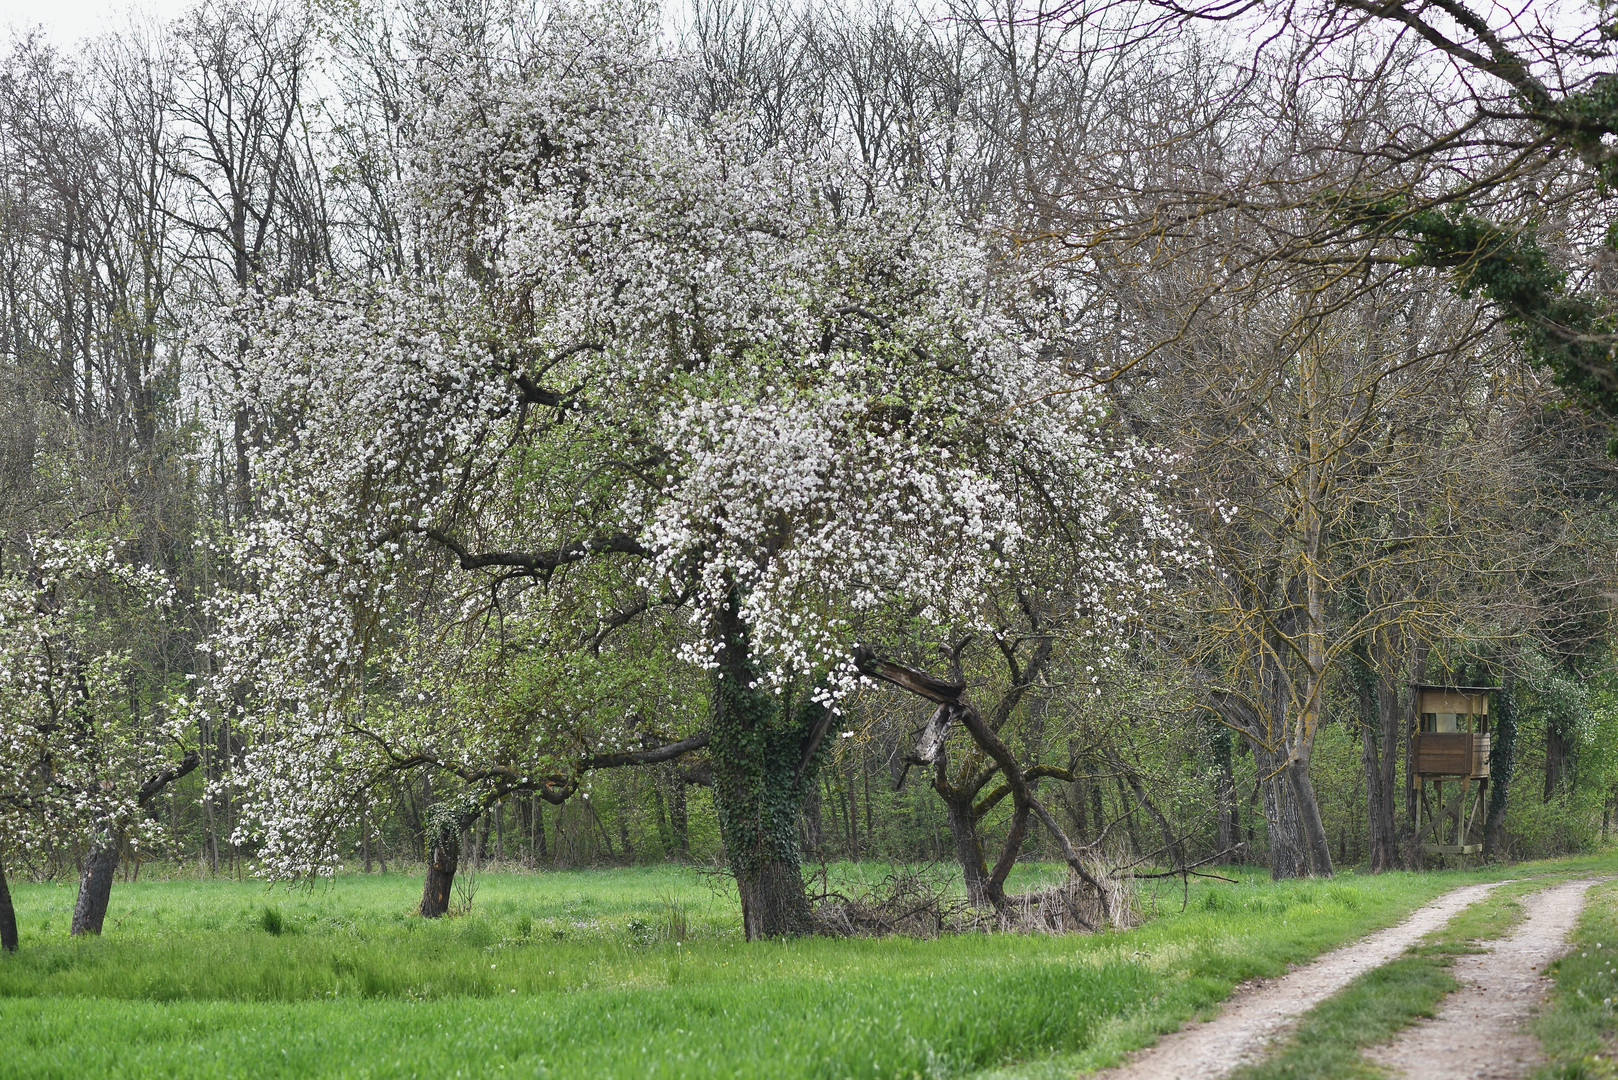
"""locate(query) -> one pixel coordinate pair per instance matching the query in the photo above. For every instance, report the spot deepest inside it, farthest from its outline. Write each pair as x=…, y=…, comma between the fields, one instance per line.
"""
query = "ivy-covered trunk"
x=445, y=824
x=95, y=886
x=765, y=755
x=1502, y=762
x=8, y=914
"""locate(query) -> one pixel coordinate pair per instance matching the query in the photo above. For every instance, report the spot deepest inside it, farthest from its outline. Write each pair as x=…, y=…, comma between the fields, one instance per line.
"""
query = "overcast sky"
x=68, y=20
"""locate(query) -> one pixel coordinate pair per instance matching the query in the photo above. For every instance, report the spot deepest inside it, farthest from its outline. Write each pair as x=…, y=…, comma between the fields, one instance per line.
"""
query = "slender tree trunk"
x=8, y=914
x=1098, y=810
x=541, y=854
x=95, y=887
x=1225, y=792
x=1377, y=751
x=660, y=810
x=870, y=823
x=1391, y=713
x=1557, y=756
x=810, y=815
x=1127, y=809
x=601, y=828
x=1410, y=851
x=1502, y=763
x=679, y=825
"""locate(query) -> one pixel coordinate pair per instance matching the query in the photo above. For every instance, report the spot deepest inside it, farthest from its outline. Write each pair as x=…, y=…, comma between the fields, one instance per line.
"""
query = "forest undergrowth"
x=632, y=973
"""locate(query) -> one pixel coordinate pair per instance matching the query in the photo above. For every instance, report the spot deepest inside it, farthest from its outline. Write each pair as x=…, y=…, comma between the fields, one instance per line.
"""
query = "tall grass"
x=627, y=973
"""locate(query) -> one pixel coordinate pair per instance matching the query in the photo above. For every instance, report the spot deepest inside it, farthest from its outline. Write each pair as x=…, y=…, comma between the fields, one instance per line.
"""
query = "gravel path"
x=1261, y=1010
x=1479, y=1031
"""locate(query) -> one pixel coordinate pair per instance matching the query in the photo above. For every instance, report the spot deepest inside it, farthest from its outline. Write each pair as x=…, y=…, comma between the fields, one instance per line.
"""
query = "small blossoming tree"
x=85, y=743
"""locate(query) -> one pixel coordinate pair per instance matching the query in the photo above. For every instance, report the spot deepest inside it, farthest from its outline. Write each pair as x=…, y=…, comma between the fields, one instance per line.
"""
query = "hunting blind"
x=1449, y=767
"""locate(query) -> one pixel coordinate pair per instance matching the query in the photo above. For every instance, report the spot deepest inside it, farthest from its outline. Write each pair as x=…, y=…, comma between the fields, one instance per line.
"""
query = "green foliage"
x=1571, y=333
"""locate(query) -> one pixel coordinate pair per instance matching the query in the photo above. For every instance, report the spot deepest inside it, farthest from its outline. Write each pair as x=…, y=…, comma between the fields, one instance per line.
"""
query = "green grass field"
x=624, y=973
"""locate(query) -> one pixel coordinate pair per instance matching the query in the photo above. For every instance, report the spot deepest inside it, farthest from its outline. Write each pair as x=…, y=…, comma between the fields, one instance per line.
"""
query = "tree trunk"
x=1502, y=762
x=773, y=900
x=8, y=915
x=981, y=891
x=443, y=860
x=810, y=816
x=95, y=887
x=764, y=757
x=1287, y=856
x=679, y=826
x=660, y=811
x=1378, y=803
x=1225, y=793
x=1377, y=754
x=1392, y=714
x=1557, y=754
x=537, y=837
x=1317, y=844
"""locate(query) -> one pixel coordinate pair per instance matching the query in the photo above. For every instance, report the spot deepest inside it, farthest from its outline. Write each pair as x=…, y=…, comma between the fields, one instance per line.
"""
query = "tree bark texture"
x=1225, y=793
x=1502, y=763
x=765, y=755
x=445, y=826
x=1318, y=844
x=1381, y=714
x=8, y=915
x=1287, y=856
x=101, y=862
x=981, y=889
x=95, y=887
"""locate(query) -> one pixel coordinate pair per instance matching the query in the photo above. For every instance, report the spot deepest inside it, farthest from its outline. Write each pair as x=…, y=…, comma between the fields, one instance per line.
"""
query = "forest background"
x=1330, y=290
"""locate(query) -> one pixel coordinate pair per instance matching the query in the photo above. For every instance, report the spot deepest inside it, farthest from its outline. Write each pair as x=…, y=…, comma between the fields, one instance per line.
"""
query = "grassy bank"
x=623, y=973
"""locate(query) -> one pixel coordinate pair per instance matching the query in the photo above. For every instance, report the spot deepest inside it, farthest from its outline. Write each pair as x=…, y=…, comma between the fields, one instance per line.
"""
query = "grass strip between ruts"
x=1579, y=1028
x=1375, y=1007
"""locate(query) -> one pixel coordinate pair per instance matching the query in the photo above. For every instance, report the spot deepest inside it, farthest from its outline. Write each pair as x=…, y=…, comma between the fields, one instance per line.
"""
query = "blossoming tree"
x=85, y=744
x=662, y=372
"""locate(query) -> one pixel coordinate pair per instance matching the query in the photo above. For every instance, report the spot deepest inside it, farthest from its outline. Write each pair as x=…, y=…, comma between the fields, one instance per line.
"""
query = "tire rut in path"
x=1261, y=1010
x=1479, y=1032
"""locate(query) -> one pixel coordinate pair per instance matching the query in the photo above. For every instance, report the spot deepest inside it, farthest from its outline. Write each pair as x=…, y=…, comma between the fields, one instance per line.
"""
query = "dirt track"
x=1259, y=1011
x=1479, y=1031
